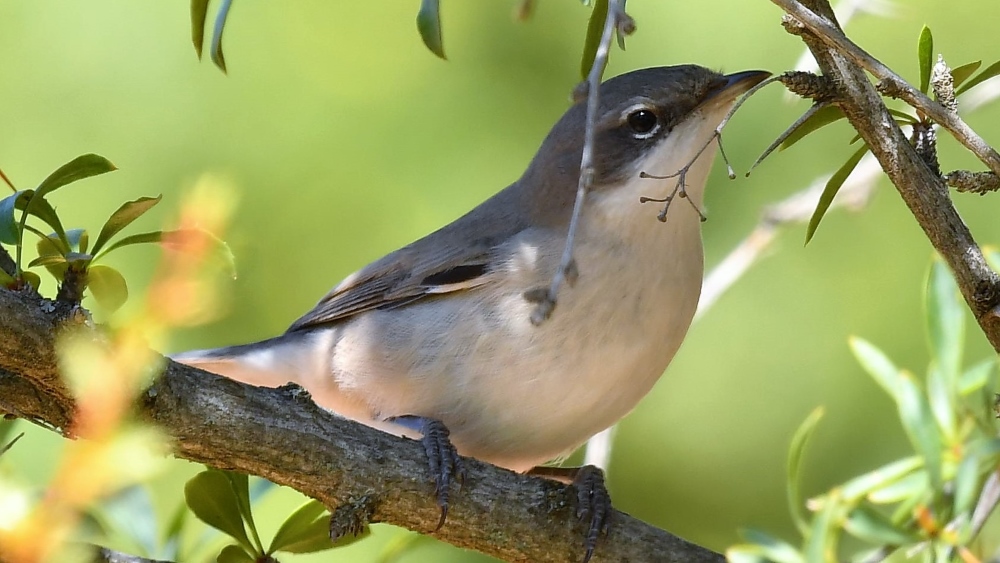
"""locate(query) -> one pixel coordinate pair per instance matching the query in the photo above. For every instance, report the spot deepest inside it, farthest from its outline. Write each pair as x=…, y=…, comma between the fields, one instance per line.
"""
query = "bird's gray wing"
x=457, y=257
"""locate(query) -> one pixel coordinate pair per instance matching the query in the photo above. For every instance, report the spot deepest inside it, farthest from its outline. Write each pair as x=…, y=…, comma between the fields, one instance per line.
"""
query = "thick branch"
x=281, y=435
x=923, y=191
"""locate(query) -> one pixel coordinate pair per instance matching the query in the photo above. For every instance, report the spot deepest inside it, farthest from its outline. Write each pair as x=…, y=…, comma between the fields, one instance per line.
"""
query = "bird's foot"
x=443, y=461
x=593, y=503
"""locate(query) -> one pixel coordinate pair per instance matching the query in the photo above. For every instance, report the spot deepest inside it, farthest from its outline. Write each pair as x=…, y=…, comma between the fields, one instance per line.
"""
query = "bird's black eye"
x=642, y=121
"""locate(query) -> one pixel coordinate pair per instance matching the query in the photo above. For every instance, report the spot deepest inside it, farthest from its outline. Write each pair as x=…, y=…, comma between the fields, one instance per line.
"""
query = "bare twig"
x=567, y=267
x=835, y=39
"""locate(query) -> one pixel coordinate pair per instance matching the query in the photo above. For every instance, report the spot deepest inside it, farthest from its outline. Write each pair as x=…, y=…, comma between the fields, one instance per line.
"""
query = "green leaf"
x=874, y=527
x=217, y=29
x=429, y=26
x=595, y=29
x=902, y=116
x=821, y=541
x=123, y=217
x=794, y=466
x=909, y=487
x=925, y=54
x=990, y=72
x=293, y=529
x=9, y=222
x=77, y=169
x=141, y=238
x=210, y=496
x=980, y=457
x=47, y=260
x=199, y=13
x=240, y=484
x=175, y=526
x=945, y=321
x=878, y=365
x=831, y=189
x=773, y=549
x=821, y=118
x=976, y=377
x=234, y=554
x=108, y=287
x=962, y=73
x=889, y=474
x=920, y=427
x=943, y=401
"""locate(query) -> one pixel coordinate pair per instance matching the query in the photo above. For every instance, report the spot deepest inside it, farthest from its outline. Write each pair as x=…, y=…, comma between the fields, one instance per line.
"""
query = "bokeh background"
x=346, y=138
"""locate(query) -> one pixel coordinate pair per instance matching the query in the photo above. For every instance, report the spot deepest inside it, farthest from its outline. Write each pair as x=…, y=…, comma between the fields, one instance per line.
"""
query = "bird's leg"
x=593, y=503
x=443, y=461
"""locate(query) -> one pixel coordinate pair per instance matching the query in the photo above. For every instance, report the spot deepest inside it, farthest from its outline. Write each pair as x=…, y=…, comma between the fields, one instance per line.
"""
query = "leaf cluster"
x=926, y=501
x=825, y=114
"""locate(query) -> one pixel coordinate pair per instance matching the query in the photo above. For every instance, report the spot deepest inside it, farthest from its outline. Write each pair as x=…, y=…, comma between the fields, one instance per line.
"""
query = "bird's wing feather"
x=455, y=258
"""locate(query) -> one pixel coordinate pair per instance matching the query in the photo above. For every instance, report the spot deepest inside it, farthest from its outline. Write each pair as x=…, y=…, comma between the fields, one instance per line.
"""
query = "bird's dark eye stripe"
x=642, y=121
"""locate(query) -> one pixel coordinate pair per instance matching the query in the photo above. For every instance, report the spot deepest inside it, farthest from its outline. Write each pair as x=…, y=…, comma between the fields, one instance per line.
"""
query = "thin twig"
x=567, y=267
x=826, y=32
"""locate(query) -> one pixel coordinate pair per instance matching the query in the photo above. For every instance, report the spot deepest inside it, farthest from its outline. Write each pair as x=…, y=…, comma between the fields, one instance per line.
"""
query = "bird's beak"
x=732, y=86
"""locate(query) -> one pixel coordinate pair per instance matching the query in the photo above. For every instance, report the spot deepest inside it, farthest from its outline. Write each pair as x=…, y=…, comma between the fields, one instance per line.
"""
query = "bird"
x=437, y=336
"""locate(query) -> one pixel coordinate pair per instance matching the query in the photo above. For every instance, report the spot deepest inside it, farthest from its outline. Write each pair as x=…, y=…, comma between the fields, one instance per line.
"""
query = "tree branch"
x=281, y=435
x=923, y=191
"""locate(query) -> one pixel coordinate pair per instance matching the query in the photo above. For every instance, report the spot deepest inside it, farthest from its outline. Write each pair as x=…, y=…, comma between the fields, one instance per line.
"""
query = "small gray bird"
x=440, y=331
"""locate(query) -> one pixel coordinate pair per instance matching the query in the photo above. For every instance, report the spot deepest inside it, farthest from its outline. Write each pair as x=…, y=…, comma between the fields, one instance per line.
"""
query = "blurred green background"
x=346, y=138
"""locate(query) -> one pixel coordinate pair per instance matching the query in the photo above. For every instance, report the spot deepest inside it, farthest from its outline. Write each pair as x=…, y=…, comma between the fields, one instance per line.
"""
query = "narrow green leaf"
x=108, y=287
x=976, y=377
x=821, y=541
x=240, y=484
x=234, y=554
x=943, y=400
x=925, y=54
x=823, y=117
x=123, y=217
x=872, y=526
x=909, y=487
x=774, y=549
x=902, y=116
x=292, y=529
x=980, y=458
x=595, y=28
x=990, y=72
x=429, y=26
x=9, y=222
x=141, y=238
x=945, y=316
x=43, y=210
x=47, y=260
x=878, y=365
x=918, y=422
x=210, y=496
x=859, y=487
x=962, y=73
x=199, y=13
x=217, y=29
x=831, y=189
x=77, y=169
x=796, y=453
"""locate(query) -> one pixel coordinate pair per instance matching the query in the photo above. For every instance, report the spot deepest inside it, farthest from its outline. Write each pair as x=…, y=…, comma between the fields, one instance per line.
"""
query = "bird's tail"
x=301, y=358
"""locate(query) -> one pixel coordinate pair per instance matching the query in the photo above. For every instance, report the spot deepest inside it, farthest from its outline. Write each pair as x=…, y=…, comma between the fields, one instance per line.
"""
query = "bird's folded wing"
x=400, y=278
